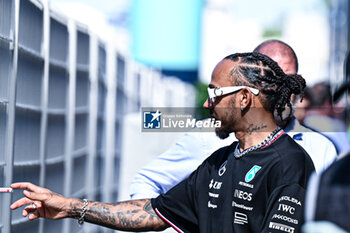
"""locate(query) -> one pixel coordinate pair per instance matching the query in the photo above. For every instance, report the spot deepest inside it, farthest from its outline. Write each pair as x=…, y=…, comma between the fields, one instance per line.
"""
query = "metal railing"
x=63, y=94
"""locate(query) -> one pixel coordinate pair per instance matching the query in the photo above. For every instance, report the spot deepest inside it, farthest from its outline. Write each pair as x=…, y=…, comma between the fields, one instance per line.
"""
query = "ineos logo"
x=243, y=195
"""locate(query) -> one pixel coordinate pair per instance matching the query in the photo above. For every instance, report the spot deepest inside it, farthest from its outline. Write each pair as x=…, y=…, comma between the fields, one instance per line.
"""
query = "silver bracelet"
x=83, y=211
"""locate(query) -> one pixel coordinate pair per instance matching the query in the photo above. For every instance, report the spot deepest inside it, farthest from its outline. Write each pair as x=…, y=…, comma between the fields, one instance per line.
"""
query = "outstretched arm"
x=133, y=215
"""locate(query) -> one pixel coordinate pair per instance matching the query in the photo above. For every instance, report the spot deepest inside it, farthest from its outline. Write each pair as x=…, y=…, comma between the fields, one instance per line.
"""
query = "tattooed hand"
x=133, y=215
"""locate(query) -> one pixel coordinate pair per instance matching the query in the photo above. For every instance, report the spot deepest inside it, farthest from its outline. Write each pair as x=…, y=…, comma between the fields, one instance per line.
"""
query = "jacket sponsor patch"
x=290, y=199
x=251, y=173
x=281, y=227
x=286, y=208
x=241, y=206
x=215, y=184
x=243, y=195
x=285, y=218
x=222, y=168
x=240, y=218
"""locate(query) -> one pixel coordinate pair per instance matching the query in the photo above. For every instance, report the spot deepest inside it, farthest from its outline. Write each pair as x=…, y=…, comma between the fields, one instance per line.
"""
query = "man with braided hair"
x=256, y=184
x=321, y=150
x=175, y=164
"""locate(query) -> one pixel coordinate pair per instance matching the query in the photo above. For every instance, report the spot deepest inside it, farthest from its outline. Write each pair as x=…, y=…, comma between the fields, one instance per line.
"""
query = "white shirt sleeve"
x=175, y=164
x=321, y=150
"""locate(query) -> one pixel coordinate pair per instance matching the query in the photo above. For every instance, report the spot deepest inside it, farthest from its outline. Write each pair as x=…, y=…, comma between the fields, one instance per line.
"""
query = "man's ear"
x=246, y=98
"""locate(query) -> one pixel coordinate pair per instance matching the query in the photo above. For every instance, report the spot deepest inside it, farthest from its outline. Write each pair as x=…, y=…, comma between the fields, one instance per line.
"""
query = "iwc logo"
x=251, y=173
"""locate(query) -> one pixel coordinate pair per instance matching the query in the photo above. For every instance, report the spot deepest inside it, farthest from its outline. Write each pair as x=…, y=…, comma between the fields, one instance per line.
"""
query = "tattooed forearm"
x=148, y=208
x=75, y=207
x=133, y=215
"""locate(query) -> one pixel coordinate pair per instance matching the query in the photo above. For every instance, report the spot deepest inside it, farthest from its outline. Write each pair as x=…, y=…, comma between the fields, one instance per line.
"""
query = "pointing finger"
x=28, y=186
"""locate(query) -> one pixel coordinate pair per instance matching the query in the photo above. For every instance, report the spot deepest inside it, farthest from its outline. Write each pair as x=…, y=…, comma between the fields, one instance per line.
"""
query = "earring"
x=242, y=108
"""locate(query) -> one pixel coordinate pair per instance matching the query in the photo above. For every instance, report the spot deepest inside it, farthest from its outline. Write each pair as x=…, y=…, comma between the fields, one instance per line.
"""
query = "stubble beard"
x=227, y=122
x=222, y=132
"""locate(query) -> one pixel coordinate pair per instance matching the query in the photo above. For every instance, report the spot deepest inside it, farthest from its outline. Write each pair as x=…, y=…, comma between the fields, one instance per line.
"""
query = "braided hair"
x=261, y=72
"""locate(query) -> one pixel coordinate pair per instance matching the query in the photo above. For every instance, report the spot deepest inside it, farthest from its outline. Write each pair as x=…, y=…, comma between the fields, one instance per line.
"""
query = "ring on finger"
x=34, y=206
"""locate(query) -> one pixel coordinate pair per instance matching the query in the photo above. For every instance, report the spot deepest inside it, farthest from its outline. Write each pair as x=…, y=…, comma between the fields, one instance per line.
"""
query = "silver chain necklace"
x=238, y=154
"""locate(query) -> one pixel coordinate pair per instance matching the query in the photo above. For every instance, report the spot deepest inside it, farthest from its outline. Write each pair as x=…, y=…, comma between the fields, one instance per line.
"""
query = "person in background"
x=321, y=116
x=302, y=107
x=257, y=184
x=188, y=153
x=345, y=102
x=328, y=194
